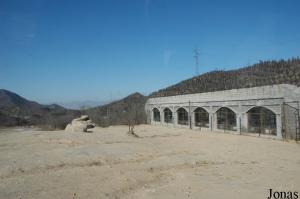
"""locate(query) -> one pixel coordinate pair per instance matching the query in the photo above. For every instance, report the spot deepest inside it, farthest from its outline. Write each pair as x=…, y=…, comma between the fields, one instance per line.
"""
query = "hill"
x=118, y=112
x=260, y=74
x=16, y=110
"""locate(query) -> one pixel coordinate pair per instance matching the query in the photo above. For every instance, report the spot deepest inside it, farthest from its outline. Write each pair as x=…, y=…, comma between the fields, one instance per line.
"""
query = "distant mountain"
x=78, y=105
x=117, y=112
x=260, y=74
x=16, y=110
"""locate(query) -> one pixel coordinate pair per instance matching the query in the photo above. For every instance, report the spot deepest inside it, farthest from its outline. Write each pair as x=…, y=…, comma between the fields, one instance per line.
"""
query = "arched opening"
x=201, y=117
x=226, y=119
x=261, y=120
x=168, y=115
x=156, y=115
x=182, y=116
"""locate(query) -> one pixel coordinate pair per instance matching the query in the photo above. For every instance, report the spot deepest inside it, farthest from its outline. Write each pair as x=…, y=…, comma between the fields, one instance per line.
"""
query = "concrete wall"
x=238, y=100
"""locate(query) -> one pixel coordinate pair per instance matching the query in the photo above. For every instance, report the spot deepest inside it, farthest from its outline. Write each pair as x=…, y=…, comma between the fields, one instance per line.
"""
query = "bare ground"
x=162, y=163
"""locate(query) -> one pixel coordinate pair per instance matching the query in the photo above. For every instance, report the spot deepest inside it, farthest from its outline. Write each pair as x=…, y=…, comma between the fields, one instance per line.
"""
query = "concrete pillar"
x=174, y=113
x=238, y=123
x=244, y=122
x=149, y=120
x=279, y=126
x=162, y=117
x=151, y=116
x=193, y=119
x=215, y=121
x=211, y=125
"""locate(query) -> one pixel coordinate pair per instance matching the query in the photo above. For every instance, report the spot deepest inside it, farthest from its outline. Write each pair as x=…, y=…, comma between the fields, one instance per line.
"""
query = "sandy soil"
x=163, y=163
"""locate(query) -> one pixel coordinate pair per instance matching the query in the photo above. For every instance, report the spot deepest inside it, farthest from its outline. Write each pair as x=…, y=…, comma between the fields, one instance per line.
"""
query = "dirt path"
x=163, y=163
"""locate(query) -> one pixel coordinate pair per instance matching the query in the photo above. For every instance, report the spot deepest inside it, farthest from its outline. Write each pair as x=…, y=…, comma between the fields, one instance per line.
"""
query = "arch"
x=168, y=115
x=201, y=118
x=226, y=119
x=261, y=120
x=202, y=107
x=185, y=108
x=269, y=108
x=182, y=116
x=156, y=115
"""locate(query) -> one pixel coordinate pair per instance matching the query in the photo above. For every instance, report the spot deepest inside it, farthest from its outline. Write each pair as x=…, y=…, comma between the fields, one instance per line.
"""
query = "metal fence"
x=168, y=116
x=261, y=121
x=226, y=119
x=201, y=118
x=290, y=121
x=183, y=116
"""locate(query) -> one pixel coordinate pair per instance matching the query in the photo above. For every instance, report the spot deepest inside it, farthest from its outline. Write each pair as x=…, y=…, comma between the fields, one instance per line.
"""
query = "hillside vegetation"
x=260, y=74
x=18, y=111
x=119, y=112
x=15, y=110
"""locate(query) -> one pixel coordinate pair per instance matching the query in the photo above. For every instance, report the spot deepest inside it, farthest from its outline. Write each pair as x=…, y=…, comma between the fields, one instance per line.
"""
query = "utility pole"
x=196, y=56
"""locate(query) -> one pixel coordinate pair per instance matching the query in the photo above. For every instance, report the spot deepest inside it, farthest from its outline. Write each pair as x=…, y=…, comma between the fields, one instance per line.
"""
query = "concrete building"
x=270, y=111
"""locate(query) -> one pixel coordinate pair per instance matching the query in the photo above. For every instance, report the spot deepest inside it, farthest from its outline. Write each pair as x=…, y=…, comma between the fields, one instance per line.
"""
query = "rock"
x=81, y=124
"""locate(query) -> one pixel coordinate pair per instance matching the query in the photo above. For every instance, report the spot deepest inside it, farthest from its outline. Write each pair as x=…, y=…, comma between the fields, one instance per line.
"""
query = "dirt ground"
x=163, y=163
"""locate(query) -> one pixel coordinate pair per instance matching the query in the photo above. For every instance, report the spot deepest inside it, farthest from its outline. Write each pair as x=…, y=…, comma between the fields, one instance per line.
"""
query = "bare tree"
x=132, y=118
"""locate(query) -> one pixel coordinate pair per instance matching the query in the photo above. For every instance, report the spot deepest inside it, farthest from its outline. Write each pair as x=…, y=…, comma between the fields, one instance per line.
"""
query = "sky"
x=101, y=50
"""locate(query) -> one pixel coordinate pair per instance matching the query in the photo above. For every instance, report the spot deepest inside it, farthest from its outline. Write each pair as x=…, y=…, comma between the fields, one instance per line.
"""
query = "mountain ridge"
x=259, y=74
x=16, y=110
x=118, y=112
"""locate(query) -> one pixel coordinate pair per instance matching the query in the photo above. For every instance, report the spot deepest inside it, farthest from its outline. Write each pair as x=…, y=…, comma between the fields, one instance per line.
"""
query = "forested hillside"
x=15, y=110
x=18, y=111
x=260, y=74
x=118, y=112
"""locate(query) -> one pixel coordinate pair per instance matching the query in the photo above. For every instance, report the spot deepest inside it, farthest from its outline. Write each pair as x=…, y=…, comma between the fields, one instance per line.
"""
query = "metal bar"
x=283, y=122
x=290, y=105
x=190, y=117
x=240, y=123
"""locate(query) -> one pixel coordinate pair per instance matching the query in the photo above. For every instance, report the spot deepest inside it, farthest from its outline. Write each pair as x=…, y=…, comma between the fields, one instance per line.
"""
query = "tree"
x=132, y=118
